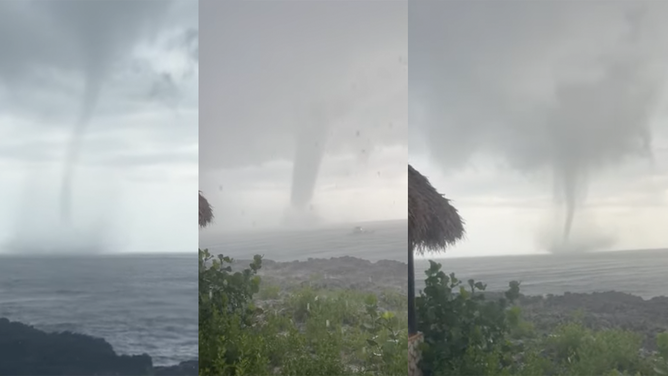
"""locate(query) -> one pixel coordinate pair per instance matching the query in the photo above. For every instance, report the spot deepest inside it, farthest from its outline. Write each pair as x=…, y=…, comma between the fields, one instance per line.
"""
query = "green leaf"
x=387, y=315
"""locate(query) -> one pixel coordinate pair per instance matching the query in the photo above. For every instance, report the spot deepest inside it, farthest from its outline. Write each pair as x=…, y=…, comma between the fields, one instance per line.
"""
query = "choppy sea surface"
x=138, y=303
x=642, y=272
x=639, y=272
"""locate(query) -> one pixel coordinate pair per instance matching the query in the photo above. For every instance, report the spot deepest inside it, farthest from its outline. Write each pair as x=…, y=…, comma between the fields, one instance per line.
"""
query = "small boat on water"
x=358, y=230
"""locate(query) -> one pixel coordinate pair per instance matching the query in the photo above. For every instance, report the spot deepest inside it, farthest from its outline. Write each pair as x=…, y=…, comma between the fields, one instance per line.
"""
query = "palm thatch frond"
x=433, y=223
x=205, y=211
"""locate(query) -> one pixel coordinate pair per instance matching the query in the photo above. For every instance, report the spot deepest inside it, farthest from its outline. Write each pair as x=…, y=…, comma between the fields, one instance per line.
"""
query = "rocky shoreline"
x=25, y=350
x=600, y=310
x=597, y=310
x=334, y=273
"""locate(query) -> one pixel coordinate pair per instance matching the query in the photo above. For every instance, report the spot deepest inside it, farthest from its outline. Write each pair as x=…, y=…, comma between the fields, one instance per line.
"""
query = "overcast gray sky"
x=316, y=87
x=516, y=107
x=130, y=69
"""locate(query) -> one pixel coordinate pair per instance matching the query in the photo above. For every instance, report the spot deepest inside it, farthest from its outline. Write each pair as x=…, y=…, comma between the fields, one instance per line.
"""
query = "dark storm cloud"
x=114, y=82
x=62, y=45
x=570, y=87
x=70, y=35
x=271, y=67
x=58, y=57
x=302, y=82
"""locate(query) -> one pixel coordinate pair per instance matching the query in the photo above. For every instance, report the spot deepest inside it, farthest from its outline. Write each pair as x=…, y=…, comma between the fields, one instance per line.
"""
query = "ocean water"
x=385, y=240
x=643, y=272
x=138, y=303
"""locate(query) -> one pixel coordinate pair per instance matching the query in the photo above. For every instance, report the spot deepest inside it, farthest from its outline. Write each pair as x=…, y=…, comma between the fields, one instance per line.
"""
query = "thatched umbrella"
x=432, y=225
x=205, y=211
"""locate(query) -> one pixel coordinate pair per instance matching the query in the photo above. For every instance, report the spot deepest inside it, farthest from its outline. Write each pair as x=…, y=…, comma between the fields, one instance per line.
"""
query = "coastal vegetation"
x=251, y=327
x=248, y=327
x=468, y=333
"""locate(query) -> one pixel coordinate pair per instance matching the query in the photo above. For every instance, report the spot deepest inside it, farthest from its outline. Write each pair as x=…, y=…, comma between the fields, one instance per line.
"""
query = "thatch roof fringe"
x=433, y=223
x=205, y=211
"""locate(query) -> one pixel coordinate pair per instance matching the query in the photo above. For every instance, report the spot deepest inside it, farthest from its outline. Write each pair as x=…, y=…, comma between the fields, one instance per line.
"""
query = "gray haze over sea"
x=641, y=272
x=385, y=240
x=138, y=303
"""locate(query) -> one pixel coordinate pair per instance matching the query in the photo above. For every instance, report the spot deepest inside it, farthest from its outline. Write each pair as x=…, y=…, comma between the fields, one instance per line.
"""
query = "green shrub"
x=227, y=344
x=662, y=344
x=269, y=292
x=307, y=332
x=661, y=364
x=465, y=334
x=580, y=351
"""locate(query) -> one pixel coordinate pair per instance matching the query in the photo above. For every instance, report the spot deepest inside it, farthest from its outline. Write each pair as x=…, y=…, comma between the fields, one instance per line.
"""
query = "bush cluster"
x=467, y=334
x=251, y=328
x=294, y=333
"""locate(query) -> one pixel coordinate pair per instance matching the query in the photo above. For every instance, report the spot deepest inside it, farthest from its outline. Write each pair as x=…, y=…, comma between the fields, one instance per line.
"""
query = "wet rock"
x=598, y=310
x=25, y=350
x=336, y=273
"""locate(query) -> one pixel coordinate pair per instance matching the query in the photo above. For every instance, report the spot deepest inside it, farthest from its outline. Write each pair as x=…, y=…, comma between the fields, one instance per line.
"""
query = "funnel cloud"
x=569, y=90
x=91, y=94
x=87, y=145
x=305, y=129
x=95, y=25
x=310, y=147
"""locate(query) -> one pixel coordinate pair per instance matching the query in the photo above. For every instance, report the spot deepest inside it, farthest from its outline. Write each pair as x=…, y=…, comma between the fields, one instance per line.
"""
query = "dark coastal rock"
x=598, y=310
x=344, y=272
x=25, y=350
